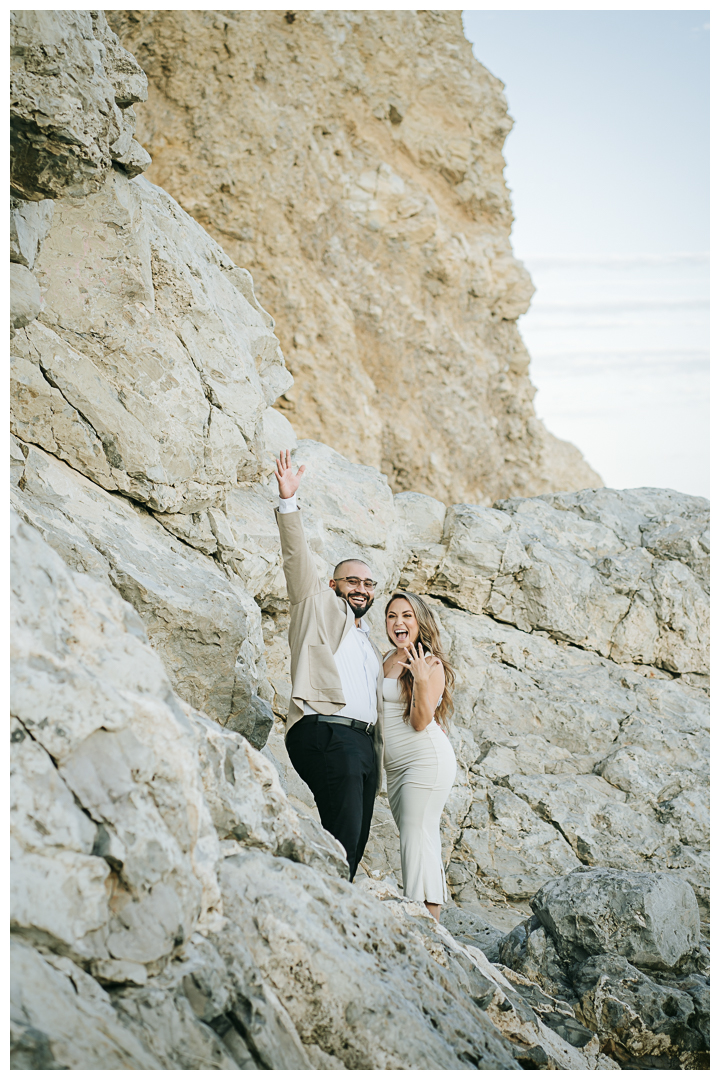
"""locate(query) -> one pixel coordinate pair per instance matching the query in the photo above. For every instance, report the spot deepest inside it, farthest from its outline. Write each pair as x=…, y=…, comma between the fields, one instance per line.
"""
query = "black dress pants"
x=338, y=765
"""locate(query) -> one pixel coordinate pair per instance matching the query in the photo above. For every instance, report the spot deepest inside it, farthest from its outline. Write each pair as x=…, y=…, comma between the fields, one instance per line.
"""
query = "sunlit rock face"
x=150, y=352
x=175, y=901
x=352, y=161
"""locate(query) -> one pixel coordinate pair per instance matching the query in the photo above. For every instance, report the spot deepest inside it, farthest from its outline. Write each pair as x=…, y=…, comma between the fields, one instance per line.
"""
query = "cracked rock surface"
x=159, y=380
x=159, y=917
x=175, y=901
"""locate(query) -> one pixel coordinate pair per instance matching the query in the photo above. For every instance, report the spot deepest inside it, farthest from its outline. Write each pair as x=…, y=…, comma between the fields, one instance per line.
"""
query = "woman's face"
x=401, y=624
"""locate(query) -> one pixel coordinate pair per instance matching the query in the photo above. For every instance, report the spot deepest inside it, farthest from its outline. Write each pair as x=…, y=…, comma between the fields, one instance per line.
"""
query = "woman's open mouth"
x=401, y=635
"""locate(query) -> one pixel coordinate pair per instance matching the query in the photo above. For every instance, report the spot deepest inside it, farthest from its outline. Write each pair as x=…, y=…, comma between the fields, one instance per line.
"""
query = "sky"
x=610, y=149
x=608, y=168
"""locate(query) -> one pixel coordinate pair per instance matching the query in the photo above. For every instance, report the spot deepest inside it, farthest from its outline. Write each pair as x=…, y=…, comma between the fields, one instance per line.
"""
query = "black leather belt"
x=346, y=721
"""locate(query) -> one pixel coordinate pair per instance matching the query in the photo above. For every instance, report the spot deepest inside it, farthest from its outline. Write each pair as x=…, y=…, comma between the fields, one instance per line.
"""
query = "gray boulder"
x=647, y=1024
x=529, y=950
x=575, y=566
x=555, y=1013
x=651, y=919
x=568, y=955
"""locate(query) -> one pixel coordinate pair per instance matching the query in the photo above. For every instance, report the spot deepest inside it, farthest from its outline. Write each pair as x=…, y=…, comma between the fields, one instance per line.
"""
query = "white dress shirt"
x=356, y=661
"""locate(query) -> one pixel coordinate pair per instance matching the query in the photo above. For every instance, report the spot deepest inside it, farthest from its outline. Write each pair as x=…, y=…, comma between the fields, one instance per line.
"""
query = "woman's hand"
x=419, y=663
x=287, y=483
x=428, y=682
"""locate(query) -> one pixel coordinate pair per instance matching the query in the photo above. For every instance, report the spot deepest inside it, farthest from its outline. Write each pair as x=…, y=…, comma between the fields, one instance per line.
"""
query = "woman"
x=420, y=762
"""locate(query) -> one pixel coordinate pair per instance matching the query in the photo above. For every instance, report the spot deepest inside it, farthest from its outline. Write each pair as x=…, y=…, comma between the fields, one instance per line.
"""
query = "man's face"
x=357, y=593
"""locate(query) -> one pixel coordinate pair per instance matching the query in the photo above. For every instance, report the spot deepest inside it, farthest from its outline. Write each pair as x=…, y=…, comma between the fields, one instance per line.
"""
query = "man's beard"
x=358, y=611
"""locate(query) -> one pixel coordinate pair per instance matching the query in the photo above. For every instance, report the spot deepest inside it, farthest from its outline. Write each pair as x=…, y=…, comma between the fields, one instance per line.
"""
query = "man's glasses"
x=355, y=581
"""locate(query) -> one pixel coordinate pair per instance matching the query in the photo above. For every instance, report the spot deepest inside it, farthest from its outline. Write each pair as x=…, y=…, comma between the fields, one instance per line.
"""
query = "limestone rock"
x=530, y=950
x=205, y=627
x=73, y=86
x=470, y=929
x=148, y=877
x=25, y=298
x=420, y=525
x=525, y=1015
x=580, y=806
x=556, y=1014
x=651, y=919
x=578, y=946
x=648, y=1025
x=227, y=990
x=62, y=1019
x=352, y=161
x=577, y=567
x=353, y=1012
x=247, y=804
x=175, y=902
x=29, y=225
x=157, y=386
x=134, y=160
x=248, y=542
x=475, y=541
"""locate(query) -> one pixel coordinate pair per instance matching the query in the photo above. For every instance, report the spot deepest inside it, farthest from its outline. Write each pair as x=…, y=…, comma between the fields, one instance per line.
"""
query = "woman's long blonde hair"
x=429, y=637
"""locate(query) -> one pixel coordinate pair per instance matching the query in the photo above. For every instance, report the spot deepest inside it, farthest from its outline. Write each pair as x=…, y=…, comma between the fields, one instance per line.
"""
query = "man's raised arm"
x=301, y=574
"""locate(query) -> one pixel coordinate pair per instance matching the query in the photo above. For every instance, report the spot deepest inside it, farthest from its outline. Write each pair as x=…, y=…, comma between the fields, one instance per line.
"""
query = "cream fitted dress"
x=420, y=769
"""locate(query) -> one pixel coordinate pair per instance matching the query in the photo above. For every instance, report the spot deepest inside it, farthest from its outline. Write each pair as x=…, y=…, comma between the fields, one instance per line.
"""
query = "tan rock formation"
x=352, y=161
x=175, y=903
x=71, y=105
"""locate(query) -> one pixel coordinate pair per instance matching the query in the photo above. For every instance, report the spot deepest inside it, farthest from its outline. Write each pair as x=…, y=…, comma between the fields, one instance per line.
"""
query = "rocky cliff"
x=352, y=161
x=175, y=903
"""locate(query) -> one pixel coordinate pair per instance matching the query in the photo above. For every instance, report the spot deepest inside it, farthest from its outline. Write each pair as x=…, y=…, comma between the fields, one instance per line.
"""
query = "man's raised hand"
x=287, y=483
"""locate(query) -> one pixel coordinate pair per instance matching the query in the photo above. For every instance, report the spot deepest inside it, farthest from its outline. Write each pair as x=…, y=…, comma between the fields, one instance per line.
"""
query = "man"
x=334, y=726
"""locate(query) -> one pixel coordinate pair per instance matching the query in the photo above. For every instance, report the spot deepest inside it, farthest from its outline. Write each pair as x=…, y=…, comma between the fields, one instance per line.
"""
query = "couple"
x=353, y=710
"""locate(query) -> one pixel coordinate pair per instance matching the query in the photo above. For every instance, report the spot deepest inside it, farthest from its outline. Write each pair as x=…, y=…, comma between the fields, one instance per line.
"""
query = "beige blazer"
x=319, y=621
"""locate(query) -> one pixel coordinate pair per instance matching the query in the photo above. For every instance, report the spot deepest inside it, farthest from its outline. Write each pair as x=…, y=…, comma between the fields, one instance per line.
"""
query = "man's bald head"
x=359, y=569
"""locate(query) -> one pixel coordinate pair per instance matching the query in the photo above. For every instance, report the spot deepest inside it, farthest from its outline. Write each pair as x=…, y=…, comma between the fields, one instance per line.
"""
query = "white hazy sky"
x=610, y=149
x=608, y=165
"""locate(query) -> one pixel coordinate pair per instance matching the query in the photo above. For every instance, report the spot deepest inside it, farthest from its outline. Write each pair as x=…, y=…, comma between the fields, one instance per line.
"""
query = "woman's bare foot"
x=434, y=910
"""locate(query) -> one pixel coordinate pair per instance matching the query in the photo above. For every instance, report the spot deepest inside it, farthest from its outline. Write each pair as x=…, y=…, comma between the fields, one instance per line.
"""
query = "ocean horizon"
x=620, y=356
